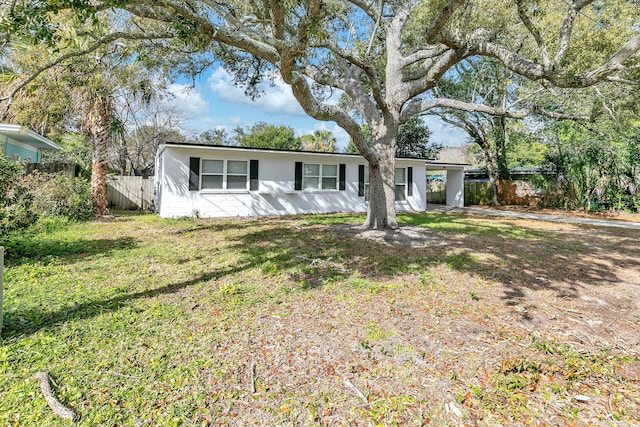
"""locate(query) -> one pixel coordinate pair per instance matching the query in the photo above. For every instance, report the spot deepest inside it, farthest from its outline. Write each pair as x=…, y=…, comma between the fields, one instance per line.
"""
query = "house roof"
x=438, y=166
x=435, y=164
x=27, y=136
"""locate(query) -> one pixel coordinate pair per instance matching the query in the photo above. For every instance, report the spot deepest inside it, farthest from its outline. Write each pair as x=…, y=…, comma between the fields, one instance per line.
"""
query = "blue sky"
x=214, y=102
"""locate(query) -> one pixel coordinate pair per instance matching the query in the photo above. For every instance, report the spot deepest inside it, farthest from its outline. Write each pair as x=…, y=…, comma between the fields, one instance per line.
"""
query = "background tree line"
x=132, y=152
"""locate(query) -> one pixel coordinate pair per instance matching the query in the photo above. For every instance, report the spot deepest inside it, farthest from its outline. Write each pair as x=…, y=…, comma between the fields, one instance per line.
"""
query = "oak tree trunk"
x=492, y=171
x=381, y=210
x=502, y=142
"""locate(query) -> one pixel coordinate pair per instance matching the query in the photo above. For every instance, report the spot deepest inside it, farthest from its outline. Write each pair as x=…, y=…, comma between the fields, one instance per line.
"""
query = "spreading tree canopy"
x=412, y=141
x=265, y=135
x=385, y=57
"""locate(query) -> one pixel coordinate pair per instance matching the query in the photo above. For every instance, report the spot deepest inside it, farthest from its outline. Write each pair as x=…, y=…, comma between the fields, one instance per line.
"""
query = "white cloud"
x=277, y=98
x=445, y=134
x=188, y=99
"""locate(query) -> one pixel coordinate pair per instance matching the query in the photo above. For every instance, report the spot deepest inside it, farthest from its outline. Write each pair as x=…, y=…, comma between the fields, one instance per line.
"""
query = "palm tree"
x=320, y=140
x=78, y=94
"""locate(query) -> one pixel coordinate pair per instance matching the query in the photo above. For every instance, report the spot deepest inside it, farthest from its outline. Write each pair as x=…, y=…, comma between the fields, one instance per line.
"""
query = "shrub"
x=58, y=195
x=26, y=198
x=9, y=172
x=15, y=201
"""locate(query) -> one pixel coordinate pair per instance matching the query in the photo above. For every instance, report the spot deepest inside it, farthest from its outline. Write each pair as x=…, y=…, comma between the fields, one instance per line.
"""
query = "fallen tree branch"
x=58, y=408
x=347, y=382
x=318, y=262
x=252, y=377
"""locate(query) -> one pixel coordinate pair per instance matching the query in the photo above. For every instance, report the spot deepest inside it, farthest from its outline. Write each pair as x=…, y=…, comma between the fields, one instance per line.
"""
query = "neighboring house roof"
x=456, y=155
x=27, y=136
x=430, y=163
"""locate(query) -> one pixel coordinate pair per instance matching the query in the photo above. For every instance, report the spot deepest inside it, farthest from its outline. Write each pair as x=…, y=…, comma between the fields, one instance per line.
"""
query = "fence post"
x=1, y=282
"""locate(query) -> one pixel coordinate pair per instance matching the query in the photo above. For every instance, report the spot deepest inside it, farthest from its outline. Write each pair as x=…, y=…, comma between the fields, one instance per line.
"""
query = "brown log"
x=58, y=408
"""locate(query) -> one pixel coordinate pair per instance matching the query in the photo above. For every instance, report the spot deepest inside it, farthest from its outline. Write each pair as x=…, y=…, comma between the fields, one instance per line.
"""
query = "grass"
x=145, y=321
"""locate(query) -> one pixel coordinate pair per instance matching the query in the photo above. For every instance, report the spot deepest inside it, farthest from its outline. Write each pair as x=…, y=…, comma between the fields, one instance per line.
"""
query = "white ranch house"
x=220, y=181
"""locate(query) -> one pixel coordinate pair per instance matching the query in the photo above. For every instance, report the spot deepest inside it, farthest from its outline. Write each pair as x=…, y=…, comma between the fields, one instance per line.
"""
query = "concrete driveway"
x=537, y=216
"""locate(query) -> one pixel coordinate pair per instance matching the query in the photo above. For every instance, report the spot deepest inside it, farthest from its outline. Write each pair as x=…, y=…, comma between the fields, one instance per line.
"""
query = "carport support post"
x=455, y=188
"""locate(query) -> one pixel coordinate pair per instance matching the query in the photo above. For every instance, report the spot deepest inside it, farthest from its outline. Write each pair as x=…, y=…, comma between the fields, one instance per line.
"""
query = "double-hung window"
x=236, y=175
x=317, y=176
x=224, y=174
x=400, y=182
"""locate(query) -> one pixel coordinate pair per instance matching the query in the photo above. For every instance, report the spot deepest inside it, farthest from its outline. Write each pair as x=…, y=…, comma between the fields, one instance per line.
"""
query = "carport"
x=455, y=181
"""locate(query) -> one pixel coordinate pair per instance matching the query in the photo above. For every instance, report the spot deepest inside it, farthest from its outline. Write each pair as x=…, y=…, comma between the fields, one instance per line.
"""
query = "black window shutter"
x=361, y=180
x=254, y=183
x=194, y=173
x=298, y=183
x=342, y=185
x=410, y=181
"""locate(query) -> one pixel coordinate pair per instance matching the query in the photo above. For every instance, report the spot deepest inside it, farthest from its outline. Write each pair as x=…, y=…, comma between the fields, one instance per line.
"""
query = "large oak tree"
x=385, y=56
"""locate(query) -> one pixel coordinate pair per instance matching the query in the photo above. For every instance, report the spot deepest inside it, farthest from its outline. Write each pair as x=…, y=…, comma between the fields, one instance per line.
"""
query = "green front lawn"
x=285, y=321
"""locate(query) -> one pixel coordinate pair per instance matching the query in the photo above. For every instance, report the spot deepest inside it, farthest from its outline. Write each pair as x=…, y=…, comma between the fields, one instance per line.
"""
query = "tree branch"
x=277, y=8
x=435, y=69
x=375, y=28
x=424, y=106
x=58, y=408
x=352, y=58
x=366, y=8
x=442, y=18
x=349, y=83
x=109, y=38
x=423, y=55
x=542, y=47
x=319, y=111
x=536, y=72
x=614, y=64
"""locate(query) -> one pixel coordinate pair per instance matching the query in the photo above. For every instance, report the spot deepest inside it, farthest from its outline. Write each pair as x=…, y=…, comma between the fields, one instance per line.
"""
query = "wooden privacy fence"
x=437, y=193
x=475, y=193
x=130, y=192
x=515, y=192
x=51, y=167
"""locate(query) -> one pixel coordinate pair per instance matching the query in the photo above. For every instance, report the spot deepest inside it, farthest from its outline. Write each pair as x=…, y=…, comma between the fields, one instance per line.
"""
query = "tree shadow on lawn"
x=30, y=321
x=29, y=251
x=207, y=226
x=318, y=254
x=281, y=248
x=520, y=258
x=565, y=264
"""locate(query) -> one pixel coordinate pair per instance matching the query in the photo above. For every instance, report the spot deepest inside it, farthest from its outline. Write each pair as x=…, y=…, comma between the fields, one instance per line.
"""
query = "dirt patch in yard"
x=518, y=322
x=606, y=214
x=413, y=237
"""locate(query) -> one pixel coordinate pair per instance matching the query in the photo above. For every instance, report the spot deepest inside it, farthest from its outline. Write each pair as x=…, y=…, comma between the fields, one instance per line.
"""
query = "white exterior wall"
x=455, y=188
x=276, y=194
